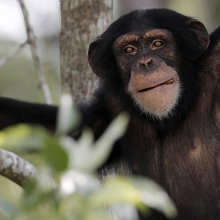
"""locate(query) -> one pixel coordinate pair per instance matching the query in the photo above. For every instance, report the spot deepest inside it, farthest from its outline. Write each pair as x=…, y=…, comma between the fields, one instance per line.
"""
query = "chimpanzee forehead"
x=135, y=36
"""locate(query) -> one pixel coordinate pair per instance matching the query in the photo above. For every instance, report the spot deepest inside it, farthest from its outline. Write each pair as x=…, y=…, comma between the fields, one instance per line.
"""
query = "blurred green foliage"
x=67, y=185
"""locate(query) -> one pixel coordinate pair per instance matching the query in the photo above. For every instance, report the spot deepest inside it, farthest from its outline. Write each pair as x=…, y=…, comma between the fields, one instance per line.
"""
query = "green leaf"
x=104, y=144
x=68, y=116
x=88, y=156
x=55, y=155
x=35, y=138
x=135, y=191
x=117, y=190
x=154, y=196
x=82, y=182
x=8, y=208
x=22, y=137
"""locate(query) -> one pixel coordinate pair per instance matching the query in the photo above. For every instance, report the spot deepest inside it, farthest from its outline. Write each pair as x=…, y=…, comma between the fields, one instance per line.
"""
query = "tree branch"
x=12, y=53
x=36, y=60
x=15, y=168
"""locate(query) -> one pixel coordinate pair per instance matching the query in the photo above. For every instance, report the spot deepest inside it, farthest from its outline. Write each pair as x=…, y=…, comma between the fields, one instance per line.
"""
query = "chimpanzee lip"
x=170, y=81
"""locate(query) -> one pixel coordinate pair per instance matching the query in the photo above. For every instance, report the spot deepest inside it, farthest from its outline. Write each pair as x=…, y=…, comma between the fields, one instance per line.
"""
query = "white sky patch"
x=44, y=17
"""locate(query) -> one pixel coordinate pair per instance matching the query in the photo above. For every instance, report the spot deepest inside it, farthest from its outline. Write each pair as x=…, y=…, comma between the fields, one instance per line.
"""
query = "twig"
x=17, y=49
x=31, y=40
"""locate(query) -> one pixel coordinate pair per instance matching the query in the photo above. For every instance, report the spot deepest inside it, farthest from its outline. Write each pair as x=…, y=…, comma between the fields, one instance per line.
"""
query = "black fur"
x=15, y=111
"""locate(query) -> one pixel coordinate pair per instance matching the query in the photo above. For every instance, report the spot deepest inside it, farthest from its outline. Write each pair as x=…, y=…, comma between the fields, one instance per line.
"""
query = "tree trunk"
x=81, y=21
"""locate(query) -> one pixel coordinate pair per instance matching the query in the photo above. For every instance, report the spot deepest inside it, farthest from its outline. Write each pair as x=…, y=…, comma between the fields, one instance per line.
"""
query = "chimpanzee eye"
x=130, y=49
x=157, y=43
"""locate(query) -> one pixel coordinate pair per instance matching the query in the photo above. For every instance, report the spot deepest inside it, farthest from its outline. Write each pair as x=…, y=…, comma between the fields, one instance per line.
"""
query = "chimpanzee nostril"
x=149, y=61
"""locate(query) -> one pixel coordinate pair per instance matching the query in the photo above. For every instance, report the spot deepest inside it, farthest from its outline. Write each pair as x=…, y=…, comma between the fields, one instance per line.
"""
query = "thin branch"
x=15, y=168
x=31, y=40
x=17, y=49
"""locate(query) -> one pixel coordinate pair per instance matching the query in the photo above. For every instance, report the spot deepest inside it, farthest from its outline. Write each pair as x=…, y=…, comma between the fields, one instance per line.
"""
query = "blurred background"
x=18, y=77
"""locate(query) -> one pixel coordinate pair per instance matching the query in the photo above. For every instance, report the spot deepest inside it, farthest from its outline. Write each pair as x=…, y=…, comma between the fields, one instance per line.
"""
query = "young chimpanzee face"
x=150, y=57
x=148, y=65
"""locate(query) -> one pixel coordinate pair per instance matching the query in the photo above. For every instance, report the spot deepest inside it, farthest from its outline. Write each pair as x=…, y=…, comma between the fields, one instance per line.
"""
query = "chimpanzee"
x=163, y=69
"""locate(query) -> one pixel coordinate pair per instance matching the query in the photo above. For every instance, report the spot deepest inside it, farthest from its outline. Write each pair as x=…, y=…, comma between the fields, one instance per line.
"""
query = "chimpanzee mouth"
x=170, y=81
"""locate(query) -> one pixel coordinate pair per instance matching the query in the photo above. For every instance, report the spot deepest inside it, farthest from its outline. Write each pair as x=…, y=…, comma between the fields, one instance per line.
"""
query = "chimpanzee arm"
x=14, y=112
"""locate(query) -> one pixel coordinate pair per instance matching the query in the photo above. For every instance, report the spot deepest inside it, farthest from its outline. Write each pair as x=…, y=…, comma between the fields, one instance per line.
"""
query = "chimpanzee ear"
x=93, y=58
x=202, y=34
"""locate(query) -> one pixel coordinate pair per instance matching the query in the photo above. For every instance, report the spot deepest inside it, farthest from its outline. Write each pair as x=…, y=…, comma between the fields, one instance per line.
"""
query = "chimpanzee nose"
x=145, y=62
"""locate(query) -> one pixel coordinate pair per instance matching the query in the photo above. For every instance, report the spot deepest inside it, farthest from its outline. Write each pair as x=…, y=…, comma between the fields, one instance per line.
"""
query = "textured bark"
x=82, y=21
x=15, y=168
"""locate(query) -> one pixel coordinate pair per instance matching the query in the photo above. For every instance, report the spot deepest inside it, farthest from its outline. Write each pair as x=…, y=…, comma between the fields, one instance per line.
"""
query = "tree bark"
x=15, y=168
x=81, y=21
